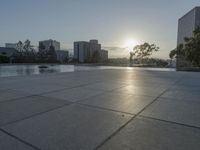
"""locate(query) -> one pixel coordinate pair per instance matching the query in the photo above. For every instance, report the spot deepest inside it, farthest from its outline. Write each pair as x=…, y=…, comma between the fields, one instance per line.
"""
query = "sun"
x=130, y=43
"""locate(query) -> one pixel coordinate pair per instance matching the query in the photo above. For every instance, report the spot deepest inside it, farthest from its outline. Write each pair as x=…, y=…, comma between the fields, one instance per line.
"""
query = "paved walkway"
x=102, y=109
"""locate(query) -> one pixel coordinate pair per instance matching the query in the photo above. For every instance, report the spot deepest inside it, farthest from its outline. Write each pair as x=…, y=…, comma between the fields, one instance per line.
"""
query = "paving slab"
x=105, y=86
x=190, y=81
x=65, y=82
x=16, y=110
x=185, y=112
x=6, y=95
x=10, y=84
x=119, y=102
x=102, y=102
x=71, y=127
x=147, y=134
x=185, y=88
x=40, y=88
x=136, y=90
x=9, y=143
x=74, y=94
x=188, y=95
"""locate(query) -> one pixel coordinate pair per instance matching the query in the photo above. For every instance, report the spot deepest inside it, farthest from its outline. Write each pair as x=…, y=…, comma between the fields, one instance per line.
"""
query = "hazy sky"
x=112, y=22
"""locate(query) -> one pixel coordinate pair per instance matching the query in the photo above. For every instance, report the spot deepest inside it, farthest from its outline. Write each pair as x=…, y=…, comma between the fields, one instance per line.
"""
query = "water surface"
x=25, y=70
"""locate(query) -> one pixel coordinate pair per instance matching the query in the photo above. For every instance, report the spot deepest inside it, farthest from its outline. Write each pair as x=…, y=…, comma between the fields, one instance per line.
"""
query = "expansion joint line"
x=18, y=139
x=135, y=116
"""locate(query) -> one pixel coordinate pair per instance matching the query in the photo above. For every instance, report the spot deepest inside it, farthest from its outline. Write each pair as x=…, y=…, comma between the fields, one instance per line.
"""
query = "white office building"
x=103, y=55
x=81, y=51
x=94, y=47
x=186, y=26
x=84, y=51
x=48, y=43
x=62, y=56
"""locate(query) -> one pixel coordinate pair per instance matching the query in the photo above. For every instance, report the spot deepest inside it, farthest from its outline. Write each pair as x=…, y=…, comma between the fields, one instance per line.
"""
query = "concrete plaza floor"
x=101, y=109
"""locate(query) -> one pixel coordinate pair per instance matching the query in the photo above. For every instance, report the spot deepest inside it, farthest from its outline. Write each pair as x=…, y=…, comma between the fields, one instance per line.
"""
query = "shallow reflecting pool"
x=21, y=70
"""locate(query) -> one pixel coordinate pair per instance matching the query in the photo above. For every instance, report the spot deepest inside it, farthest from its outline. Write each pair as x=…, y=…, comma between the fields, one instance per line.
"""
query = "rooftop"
x=101, y=109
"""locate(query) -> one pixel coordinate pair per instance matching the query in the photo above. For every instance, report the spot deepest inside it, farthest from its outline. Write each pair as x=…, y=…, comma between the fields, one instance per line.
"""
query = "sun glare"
x=130, y=43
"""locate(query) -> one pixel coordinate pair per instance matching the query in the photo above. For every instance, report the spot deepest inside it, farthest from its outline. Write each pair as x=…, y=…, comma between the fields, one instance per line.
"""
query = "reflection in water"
x=22, y=70
x=49, y=70
x=25, y=70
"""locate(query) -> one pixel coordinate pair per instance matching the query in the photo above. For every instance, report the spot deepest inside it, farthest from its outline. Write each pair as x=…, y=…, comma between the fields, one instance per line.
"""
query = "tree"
x=177, y=51
x=4, y=59
x=25, y=52
x=143, y=51
x=27, y=45
x=172, y=54
x=19, y=46
x=190, y=50
x=131, y=56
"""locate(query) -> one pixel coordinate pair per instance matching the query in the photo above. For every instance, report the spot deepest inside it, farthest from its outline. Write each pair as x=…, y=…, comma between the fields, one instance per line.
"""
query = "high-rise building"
x=186, y=26
x=62, y=56
x=47, y=43
x=81, y=51
x=86, y=50
x=94, y=47
x=103, y=55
